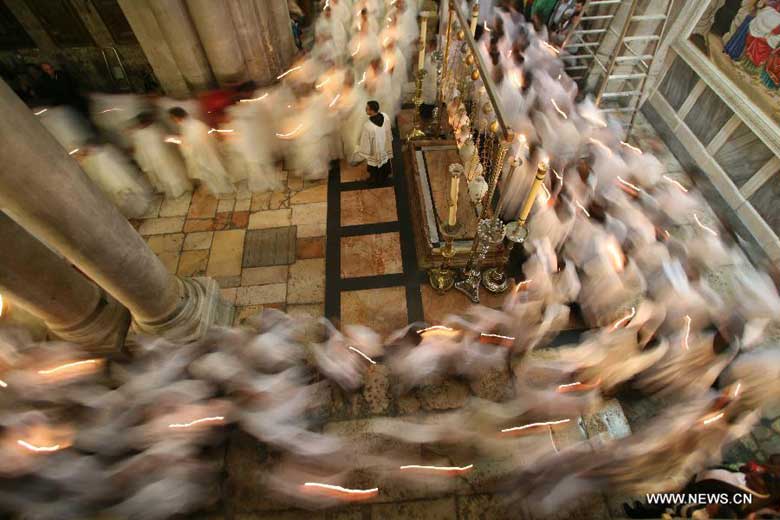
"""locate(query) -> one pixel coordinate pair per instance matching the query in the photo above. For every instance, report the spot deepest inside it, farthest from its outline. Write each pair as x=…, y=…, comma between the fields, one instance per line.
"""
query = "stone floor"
x=340, y=248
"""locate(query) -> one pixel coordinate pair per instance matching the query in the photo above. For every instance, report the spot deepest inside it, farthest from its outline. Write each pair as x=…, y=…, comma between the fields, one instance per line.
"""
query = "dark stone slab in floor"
x=275, y=246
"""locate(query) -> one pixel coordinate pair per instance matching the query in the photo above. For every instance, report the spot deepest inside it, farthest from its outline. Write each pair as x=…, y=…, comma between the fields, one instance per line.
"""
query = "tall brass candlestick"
x=443, y=278
x=495, y=279
x=416, y=132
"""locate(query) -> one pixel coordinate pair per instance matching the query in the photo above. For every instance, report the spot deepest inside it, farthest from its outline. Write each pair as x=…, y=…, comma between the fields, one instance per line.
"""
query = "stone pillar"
x=218, y=36
x=158, y=53
x=265, y=36
x=177, y=28
x=49, y=195
x=48, y=287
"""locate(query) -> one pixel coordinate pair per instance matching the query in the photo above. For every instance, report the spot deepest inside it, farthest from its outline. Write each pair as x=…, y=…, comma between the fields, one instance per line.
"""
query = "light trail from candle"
x=452, y=470
x=534, y=425
x=701, y=225
x=216, y=418
x=40, y=112
x=558, y=109
x=254, y=100
x=283, y=74
x=347, y=493
x=290, y=134
x=364, y=356
x=676, y=183
x=39, y=449
x=67, y=366
x=625, y=319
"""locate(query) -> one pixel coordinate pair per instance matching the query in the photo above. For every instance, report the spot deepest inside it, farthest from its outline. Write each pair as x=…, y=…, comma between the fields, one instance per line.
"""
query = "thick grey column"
x=174, y=21
x=49, y=195
x=48, y=287
x=218, y=37
x=264, y=33
x=158, y=53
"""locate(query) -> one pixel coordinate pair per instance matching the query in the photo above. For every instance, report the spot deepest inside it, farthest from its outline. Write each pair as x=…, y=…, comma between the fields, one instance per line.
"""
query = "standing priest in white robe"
x=200, y=153
x=376, y=144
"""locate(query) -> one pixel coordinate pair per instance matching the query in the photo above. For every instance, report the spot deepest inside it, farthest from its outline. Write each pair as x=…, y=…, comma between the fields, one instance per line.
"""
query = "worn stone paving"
x=284, y=268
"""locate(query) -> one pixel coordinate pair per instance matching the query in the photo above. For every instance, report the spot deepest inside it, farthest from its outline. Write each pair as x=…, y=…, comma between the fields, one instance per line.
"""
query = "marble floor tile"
x=270, y=219
x=317, y=193
x=193, y=263
x=153, y=211
x=229, y=294
x=382, y=309
x=243, y=205
x=259, y=201
x=260, y=294
x=239, y=220
x=227, y=250
x=198, y=240
x=264, y=275
x=294, y=183
x=198, y=224
x=170, y=260
x=161, y=226
x=311, y=247
x=225, y=205
x=311, y=219
x=351, y=173
x=203, y=205
x=166, y=243
x=437, y=306
x=176, y=207
x=279, y=200
x=370, y=255
x=306, y=282
x=368, y=206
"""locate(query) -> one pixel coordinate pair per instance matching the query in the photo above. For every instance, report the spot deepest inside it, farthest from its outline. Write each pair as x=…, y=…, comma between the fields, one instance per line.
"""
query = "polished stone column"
x=218, y=36
x=48, y=287
x=149, y=35
x=48, y=194
x=174, y=21
x=265, y=36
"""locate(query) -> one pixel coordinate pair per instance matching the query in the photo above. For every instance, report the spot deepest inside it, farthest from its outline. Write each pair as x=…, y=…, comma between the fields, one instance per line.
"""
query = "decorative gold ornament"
x=461, y=35
x=494, y=127
x=470, y=59
x=475, y=74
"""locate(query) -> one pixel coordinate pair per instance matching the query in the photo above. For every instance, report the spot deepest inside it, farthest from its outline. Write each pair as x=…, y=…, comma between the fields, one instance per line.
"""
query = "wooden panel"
x=62, y=22
x=12, y=34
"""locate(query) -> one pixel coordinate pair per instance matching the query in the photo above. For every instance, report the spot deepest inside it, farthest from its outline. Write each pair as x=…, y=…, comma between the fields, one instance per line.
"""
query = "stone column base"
x=101, y=330
x=201, y=309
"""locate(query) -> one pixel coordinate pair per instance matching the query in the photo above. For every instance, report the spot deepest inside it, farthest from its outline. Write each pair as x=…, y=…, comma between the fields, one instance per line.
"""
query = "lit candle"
x=423, y=37
x=452, y=217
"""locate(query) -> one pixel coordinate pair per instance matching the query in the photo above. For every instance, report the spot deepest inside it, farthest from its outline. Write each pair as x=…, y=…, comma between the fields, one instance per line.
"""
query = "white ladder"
x=620, y=80
x=586, y=35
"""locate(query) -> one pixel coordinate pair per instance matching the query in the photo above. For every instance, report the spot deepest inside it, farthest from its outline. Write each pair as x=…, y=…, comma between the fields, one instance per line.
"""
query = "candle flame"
x=701, y=225
x=335, y=100
x=579, y=205
x=320, y=85
x=736, y=390
x=364, y=356
x=602, y=145
x=625, y=319
x=438, y=330
x=290, y=134
x=487, y=29
x=521, y=285
x=517, y=78
x=226, y=131
x=631, y=147
x=254, y=100
x=74, y=151
x=38, y=449
x=363, y=79
x=631, y=187
x=714, y=418
x=341, y=492
x=41, y=111
x=496, y=339
x=687, y=332
x=111, y=110
x=283, y=74
x=676, y=183
x=534, y=425
x=558, y=109
x=356, y=50
x=197, y=421
x=615, y=254
x=552, y=48
x=173, y=140
x=3, y=384
x=67, y=366
x=577, y=387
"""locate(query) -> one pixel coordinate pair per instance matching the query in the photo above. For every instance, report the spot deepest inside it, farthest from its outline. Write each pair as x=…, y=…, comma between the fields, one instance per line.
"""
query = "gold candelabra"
x=416, y=132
